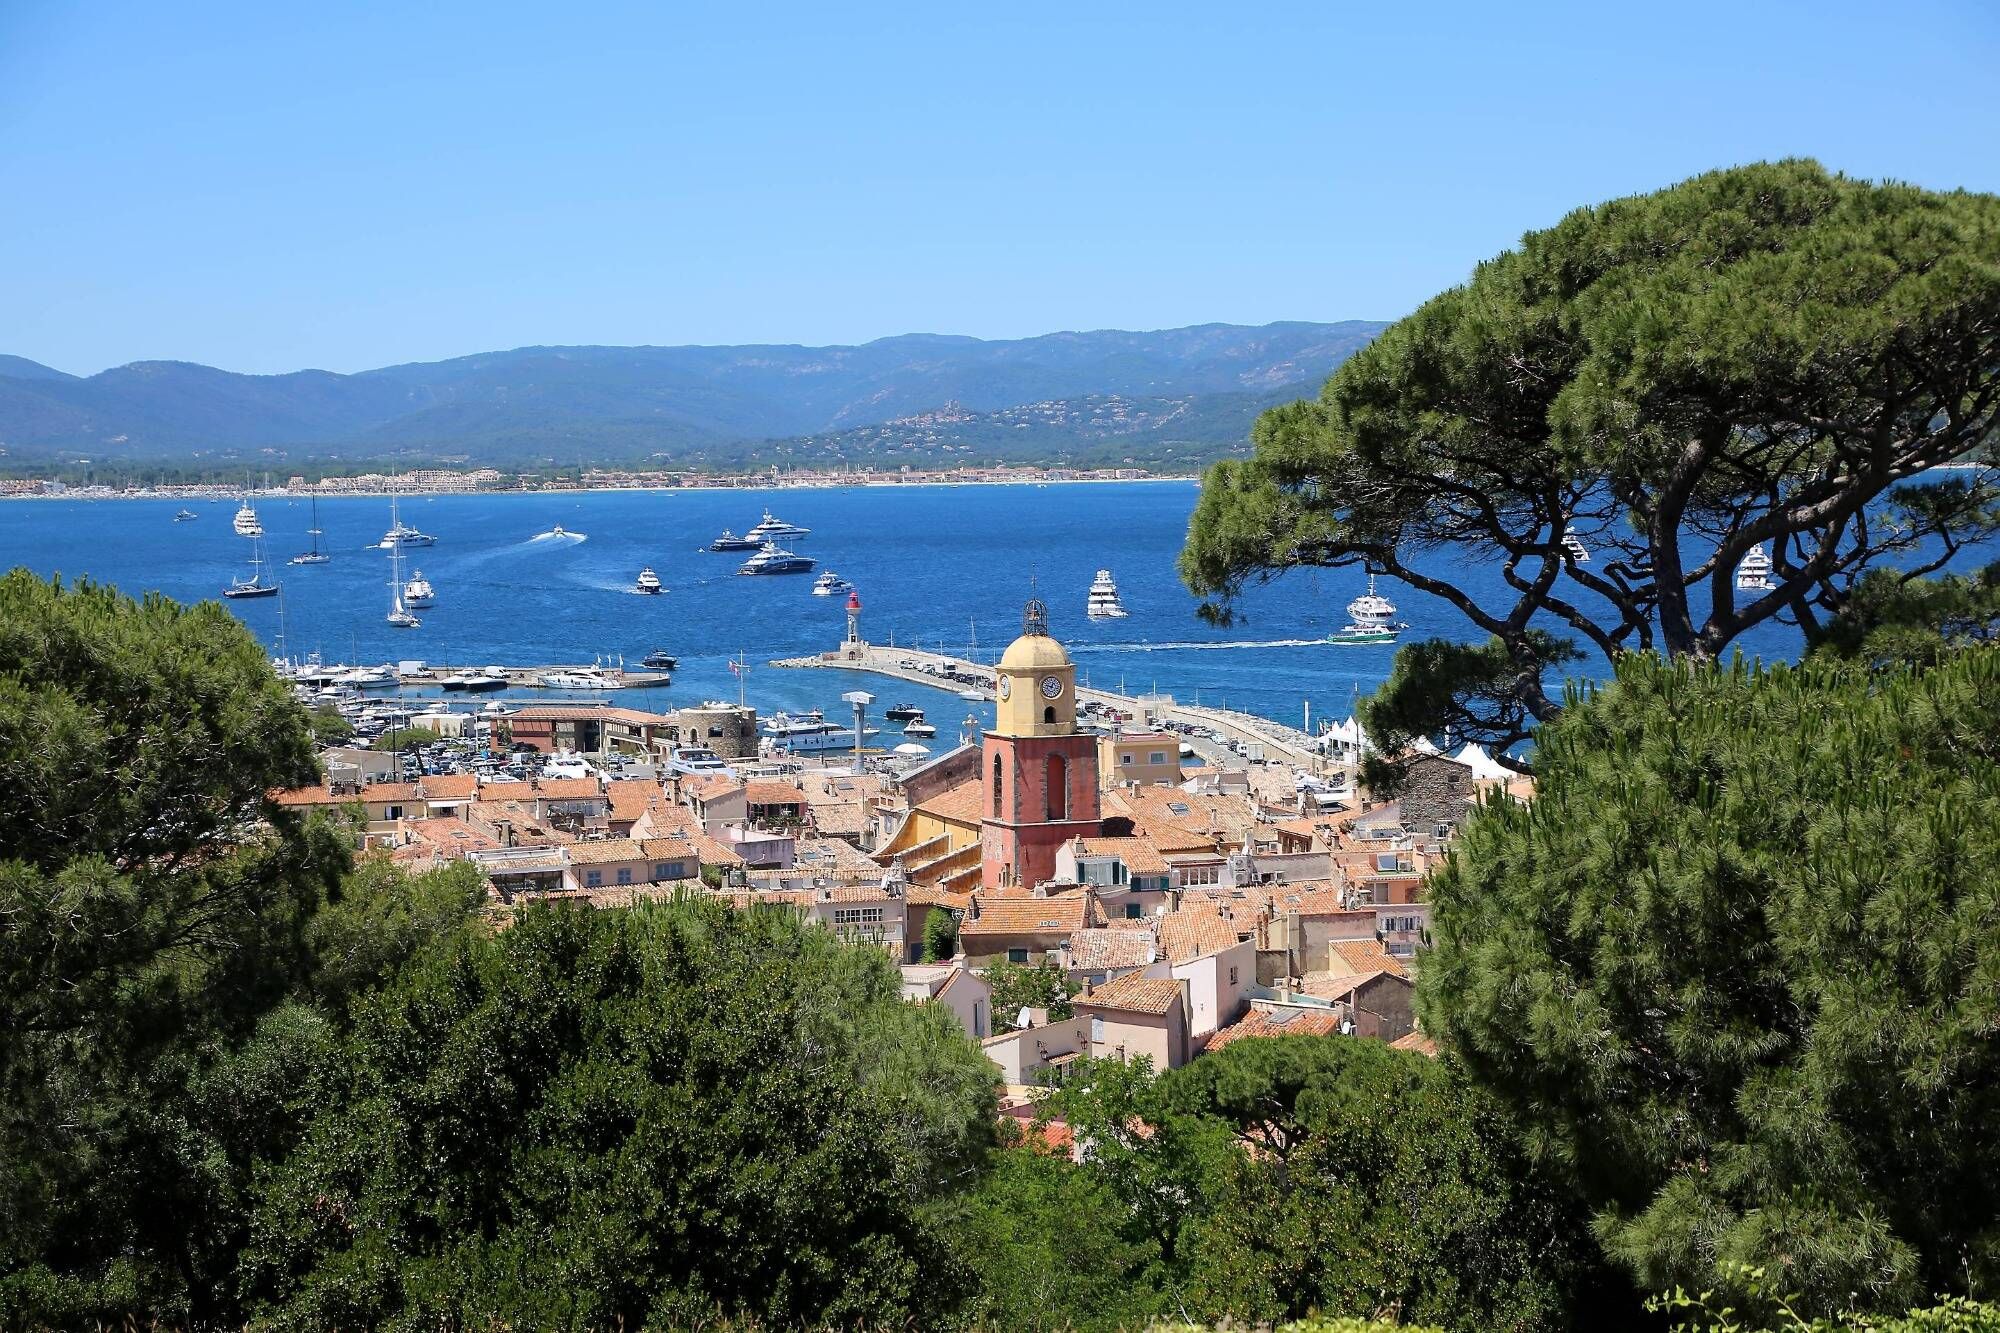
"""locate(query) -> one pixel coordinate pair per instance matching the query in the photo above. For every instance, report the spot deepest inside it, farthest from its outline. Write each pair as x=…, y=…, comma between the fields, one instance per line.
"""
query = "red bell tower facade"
x=1039, y=774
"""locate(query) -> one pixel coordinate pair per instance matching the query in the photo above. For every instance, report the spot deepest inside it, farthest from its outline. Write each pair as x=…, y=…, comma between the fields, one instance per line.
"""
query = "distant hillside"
x=1180, y=391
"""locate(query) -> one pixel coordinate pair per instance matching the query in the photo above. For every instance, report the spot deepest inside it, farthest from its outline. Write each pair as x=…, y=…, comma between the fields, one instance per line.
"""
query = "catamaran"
x=315, y=556
x=1371, y=619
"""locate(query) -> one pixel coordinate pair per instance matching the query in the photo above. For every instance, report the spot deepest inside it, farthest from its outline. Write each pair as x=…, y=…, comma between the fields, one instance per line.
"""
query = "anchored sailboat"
x=255, y=585
x=315, y=556
x=398, y=617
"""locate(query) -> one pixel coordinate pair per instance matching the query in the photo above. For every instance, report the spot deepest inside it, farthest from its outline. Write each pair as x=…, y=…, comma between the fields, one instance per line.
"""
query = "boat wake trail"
x=569, y=538
x=1192, y=646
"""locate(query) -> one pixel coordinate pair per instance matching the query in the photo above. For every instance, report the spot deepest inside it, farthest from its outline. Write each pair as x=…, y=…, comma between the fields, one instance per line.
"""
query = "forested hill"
x=1196, y=388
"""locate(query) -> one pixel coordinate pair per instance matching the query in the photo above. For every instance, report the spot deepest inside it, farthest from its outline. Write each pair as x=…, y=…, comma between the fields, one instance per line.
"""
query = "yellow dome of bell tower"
x=1036, y=682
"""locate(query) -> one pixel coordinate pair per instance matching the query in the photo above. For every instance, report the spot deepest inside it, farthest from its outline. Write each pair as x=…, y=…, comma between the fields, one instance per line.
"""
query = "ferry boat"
x=810, y=733
x=247, y=524
x=729, y=541
x=772, y=528
x=398, y=615
x=1754, y=574
x=770, y=560
x=315, y=556
x=659, y=660
x=648, y=582
x=475, y=681
x=1573, y=547
x=1103, y=604
x=255, y=585
x=904, y=713
x=831, y=584
x=418, y=591
x=185, y=515
x=1372, y=619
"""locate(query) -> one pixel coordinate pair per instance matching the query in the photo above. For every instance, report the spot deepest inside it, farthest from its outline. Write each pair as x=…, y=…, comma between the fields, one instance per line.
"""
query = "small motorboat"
x=658, y=660
x=185, y=515
x=919, y=728
x=903, y=713
x=418, y=591
x=830, y=584
x=648, y=582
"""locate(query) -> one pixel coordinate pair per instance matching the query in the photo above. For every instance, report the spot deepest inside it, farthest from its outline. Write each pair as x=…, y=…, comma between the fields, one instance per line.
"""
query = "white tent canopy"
x=1483, y=766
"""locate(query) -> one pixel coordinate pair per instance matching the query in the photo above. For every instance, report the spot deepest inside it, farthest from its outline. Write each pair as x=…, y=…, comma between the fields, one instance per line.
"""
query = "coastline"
x=312, y=493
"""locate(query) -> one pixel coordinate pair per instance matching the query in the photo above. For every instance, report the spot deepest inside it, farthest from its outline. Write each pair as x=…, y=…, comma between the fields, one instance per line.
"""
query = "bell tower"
x=1039, y=773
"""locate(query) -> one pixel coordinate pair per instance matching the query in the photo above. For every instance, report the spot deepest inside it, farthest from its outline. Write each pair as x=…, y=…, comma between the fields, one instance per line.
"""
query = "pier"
x=939, y=671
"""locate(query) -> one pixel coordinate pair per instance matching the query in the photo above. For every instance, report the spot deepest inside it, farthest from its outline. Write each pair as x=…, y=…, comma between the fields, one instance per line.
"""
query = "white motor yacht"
x=648, y=582
x=576, y=678
x=1754, y=574
x=401, y=535
x=1574, y=548
x=805, y=733
x=476, y=681
x=771, y=560
x=830, y=584
x=1103, y=604
x=247, y=523
x=773, y=528
x=418, y=591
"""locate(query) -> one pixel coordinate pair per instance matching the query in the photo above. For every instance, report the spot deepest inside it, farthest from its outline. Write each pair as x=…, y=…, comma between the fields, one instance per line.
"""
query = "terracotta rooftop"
x=961, y=805
x=564, y=789
x=1416, y=1041
x=629, y=798
x=993, y=915
x=1187, y=935
x=1135, y=992
x=449, y=786
x=1103, y=949
x=1278, y=1023
x=601, y=851
x=1363, y=956
x=575, y=712
x=774, y=793
x=709, y=786
x=1140, y=855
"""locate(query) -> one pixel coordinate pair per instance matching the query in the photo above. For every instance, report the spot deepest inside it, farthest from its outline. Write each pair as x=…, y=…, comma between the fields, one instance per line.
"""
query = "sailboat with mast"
x=398, y=615
x=256, y=585
x=315, y=556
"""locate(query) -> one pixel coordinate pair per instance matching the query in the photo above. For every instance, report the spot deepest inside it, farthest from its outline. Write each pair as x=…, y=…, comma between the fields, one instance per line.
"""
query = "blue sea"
x=944, y=567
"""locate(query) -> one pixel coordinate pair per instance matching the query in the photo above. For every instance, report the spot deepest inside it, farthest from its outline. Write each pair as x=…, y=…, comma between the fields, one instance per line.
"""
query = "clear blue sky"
x=264, y=186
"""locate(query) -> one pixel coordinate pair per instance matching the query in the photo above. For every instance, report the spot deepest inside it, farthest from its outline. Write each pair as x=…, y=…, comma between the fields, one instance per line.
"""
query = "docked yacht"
x=770, y=560
x=1574, y=548
x=1371, y=619
x=830, y=584
x=694, y=760
x=1754, y=574
x=315, y=556
x=729, y=541
x=367, y=678
x=1103, y=603
x=773, y=528
x=256, y=585
x=418, y=591
x=648, y=581
x=576, y=678
x=247, y=524
x=659, y=660
x=810, y=733
x=476, y=681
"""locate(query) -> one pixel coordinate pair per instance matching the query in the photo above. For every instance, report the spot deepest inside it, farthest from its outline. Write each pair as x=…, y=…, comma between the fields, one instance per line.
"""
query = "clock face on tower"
x=1052, y=687
x=1006, y=687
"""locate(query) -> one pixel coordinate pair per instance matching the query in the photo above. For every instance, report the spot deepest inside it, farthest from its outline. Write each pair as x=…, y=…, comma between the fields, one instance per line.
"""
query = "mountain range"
x=1177, y=393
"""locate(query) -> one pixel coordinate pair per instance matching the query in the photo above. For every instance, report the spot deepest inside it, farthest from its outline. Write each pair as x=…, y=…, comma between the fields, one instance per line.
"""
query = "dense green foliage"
x=403, y=738
x=1018, y=986
x=1276, y=1177
x=1736, y=968
x=1891, y=619
x=940, y=935
x=1763, y=355
x=677, y=1109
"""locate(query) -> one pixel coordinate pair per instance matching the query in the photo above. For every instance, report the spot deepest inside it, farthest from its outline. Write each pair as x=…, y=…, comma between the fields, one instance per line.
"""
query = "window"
x=1157, y=757
x=624, y=874
x=666, y=870
x=593, y=879
x=1385, y=860
x=1133, y=910
x=854, y=916
x=1443, y=830
x=1232, y=976
x=1126, y=759
x=979, y=1018
x=1056, y=796
x=1096, y=1027
x=996, y=786
x=1049, y=715
x=1017, y=955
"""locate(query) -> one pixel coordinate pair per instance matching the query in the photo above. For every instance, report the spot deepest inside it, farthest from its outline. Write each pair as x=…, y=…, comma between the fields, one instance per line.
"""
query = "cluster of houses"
x=1179, y=910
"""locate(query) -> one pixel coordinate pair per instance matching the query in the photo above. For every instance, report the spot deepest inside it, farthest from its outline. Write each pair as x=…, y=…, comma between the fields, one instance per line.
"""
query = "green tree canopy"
x=1892, y=619
x=1018, y=986
x=153, y=905
x=1759, y=356
x=1737, y=968
x=940, y=935
x=638, y=1117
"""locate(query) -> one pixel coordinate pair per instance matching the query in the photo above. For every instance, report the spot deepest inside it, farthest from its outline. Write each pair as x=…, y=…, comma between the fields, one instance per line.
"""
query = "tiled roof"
x=629, y=799
x=1416, y=1041
x=565, y=789
x=841, y=817
x=1364, y=956
x=449, y=786
x=773, y=793
x=927, y=895
x=390, y=791
x=960, y=805
x=667, y=849
x=451, y=835
x=1187, y=935
x=1140, y=855
x=574, y=712
x=1280, y=1023
x=994, y=915
x=601, y=851
x=1102, y=949
x=713, y=853
x=1135, y=992
x=292, y=797
x=709, y=786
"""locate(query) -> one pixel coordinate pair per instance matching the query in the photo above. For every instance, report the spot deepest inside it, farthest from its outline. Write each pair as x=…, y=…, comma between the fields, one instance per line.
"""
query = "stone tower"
x=1039, y=773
